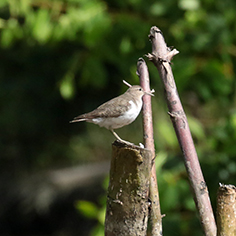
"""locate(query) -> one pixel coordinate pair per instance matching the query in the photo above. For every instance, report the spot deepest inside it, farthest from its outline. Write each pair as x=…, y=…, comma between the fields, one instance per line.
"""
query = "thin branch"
x=155, y=216
x=161, y=56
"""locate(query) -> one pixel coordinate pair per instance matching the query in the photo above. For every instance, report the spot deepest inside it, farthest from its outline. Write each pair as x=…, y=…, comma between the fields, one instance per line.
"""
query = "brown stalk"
x=161, y=56
x=155, y=213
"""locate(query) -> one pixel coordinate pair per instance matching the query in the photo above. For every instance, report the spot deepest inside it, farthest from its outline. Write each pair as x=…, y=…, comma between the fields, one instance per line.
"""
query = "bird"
x=117, y=112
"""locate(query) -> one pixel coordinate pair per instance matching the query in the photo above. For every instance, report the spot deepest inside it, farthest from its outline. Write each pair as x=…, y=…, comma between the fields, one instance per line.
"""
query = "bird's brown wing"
x=112, y=108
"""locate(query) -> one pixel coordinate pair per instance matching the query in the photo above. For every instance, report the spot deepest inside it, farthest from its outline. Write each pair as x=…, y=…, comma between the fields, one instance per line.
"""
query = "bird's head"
x=138, y=91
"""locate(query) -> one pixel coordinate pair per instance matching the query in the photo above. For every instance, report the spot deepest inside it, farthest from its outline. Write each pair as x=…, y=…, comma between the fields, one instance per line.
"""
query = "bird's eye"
x=140, y=89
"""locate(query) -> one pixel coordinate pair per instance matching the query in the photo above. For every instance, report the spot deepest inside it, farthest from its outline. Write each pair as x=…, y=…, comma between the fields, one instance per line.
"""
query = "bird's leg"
x=123, y=141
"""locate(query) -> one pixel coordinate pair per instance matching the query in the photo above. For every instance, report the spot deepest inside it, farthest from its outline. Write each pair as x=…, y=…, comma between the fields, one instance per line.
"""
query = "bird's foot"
x=120, y=139
x=126, y=142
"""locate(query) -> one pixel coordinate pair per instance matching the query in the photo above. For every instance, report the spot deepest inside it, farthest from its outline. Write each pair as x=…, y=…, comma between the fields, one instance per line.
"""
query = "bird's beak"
x=150, y=93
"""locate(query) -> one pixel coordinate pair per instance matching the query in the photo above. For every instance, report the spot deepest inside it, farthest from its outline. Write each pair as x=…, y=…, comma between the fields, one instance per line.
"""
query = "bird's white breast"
x=117, y=122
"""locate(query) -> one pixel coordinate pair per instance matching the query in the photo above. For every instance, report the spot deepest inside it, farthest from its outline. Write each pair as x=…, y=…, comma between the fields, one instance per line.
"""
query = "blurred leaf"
x=195, y=17
x=67, y=86
x=189, y=4
x=170, y=194
x=25, y=6
x=6, y=38
x=98, y=230
x=8, y=35
x=101, y=215
x=196, y=128
x=167, y=133
x=160, y=160
x=41, y=25
x=158, y=9
x=125, y=45
x=88, y=209
x=3, y=3
x=233, y=120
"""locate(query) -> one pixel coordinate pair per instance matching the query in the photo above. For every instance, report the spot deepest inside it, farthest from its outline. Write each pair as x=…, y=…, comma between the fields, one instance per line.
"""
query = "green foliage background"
x=61, y=58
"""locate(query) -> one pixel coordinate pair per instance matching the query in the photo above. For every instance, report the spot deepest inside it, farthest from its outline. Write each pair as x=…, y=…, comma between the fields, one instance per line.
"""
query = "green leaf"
x=41, y=25
x=189, y=4
x=167, y=134
x=88, y=209
x=67, y=86
x=196, y=128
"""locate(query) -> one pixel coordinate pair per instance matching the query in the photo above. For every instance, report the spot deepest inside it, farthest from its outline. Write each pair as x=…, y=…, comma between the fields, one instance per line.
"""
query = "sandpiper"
x=117, y=112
